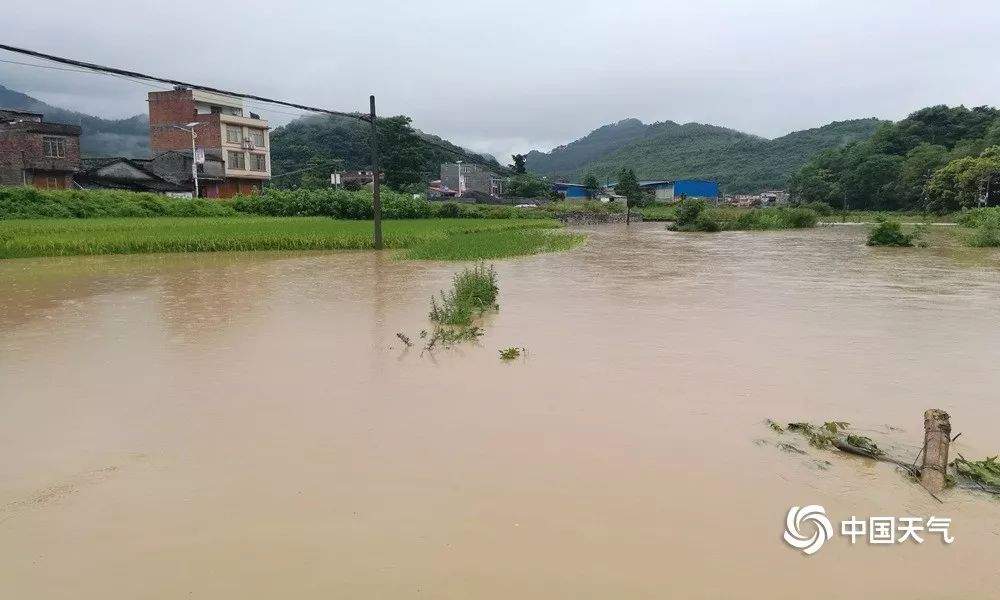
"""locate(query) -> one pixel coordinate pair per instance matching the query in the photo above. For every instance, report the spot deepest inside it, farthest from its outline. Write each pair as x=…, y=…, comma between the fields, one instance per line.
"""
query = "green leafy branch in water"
x=819, y=436
x=512, y=353
x=985, y=472
x=865, y=443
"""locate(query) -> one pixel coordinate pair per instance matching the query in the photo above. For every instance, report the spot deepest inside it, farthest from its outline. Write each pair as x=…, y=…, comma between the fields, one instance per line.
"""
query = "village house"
x=470, y=179
x=166, y=173
x=34, y=152
x=225, y=134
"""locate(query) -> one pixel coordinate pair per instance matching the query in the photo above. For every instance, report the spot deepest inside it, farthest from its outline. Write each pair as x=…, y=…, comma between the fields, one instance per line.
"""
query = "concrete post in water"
x=937, y=437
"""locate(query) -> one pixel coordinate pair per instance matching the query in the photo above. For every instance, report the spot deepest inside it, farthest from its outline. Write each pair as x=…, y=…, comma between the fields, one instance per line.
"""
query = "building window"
x=234, y=134
x=258, y=162
x=257, y=137
x=52, y=181
x=54, y=147
x=237, y=160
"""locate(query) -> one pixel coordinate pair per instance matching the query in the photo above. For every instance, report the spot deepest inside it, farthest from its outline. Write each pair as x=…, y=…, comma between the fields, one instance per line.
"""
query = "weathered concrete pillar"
x=937, y=437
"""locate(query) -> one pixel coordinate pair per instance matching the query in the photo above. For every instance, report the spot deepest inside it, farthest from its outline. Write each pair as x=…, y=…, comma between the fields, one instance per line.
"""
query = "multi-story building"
x=466, y=177
x=224, y=131
x=33, y=152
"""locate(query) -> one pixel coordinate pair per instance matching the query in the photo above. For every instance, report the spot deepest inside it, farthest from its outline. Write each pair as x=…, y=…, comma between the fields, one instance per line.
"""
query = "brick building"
x=33, y=152
x=225, y=132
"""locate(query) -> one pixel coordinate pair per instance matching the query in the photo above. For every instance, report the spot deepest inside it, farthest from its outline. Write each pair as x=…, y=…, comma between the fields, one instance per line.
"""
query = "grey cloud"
x=512, y=76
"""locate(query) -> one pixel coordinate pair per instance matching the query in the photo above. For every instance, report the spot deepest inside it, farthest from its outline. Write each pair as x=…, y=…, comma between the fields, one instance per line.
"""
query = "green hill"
x=739, y=161
x=325, y=140
x=99, y=137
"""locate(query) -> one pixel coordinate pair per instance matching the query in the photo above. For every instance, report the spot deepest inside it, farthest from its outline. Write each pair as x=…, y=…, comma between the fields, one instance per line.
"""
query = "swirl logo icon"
x=815, y=515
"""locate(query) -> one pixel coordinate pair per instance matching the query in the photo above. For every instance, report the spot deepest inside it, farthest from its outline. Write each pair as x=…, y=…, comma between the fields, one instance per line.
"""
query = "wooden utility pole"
x=376, y=176
x=937, y=437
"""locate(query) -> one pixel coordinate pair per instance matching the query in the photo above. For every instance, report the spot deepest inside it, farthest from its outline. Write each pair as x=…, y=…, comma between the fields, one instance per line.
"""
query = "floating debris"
x=984, y=472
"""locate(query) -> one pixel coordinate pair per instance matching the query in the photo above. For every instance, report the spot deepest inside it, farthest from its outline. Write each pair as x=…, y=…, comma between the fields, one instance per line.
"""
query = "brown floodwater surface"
x=248, y=425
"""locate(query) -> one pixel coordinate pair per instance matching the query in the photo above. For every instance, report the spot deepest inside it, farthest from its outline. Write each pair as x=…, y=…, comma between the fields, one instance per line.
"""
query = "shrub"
x=474, y=291
x=449, y=210
x=802, y=217
x=987, y=234
x=688, y=211
x=976, y=216
x=706, y=222
x=820, y=208
x=33, y=203
x=889, y=232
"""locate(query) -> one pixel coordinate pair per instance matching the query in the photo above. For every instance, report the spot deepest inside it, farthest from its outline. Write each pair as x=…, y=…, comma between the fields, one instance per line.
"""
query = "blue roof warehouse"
x=664, y=191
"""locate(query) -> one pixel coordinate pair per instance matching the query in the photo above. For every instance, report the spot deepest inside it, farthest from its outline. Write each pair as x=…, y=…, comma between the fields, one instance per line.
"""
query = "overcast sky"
x=511, y=76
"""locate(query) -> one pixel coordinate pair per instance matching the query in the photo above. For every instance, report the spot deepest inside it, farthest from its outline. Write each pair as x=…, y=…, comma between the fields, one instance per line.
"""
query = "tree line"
x=936, y=159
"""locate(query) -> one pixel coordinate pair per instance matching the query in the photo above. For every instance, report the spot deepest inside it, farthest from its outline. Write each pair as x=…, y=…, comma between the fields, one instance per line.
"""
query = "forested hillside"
x=938, y=158
x=100, y=137
x=739, y=161
x=329, y=143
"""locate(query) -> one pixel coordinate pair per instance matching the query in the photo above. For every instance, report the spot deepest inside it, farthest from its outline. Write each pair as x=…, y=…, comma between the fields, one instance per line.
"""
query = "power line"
x=143, y=79
x=25, y=64
x=147, y=77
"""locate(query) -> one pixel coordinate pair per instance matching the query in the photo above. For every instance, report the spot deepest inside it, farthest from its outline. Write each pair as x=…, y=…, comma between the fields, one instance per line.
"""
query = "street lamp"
x=189, y=127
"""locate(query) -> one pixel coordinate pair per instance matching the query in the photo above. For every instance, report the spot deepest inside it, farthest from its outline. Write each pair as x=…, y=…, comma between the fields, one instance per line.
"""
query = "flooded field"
x=248, y=426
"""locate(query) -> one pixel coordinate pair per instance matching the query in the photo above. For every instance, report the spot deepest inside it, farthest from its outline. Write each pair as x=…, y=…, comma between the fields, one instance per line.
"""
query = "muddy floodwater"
x=248, y=425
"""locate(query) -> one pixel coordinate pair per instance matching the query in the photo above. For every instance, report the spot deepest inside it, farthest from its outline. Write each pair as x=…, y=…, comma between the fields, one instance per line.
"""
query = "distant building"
x=355, y=179
x=668, y=191
x=225, y=132
x=33, y=152
x=570, y=191
x=438, y=191
x=774, y=197
x=465, y=178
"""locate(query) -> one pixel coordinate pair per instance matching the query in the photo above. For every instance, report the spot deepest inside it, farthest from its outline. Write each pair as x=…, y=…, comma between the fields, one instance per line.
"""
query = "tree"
x=526, y=186
x=592, y=185
x=812, y=183
x=628, y=186
x=959, y=183
x=916, y=171
x=518, y=166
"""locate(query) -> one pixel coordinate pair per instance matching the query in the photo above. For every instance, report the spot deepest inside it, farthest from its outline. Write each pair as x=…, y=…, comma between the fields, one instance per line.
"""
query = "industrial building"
x=662, y=190
x=668, y=191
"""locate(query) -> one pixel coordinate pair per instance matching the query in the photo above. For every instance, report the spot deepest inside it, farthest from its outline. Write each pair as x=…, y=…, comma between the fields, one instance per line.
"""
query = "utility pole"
x=376, y=200
x=194, y=163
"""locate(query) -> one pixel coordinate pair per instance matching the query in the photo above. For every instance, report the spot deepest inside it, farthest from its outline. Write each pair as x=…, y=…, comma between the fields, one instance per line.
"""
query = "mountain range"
x=741, y=162
x=99, y=137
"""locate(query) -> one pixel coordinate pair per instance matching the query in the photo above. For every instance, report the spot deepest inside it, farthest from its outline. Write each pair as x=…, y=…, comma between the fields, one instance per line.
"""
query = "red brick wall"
x=177, y=107
x=20, y=150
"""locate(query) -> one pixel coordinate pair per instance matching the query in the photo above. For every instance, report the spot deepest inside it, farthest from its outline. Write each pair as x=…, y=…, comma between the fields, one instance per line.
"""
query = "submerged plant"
x=511, y=353
x=865, y=443
x=985, y=472
x=474, y=291
x=889, y=232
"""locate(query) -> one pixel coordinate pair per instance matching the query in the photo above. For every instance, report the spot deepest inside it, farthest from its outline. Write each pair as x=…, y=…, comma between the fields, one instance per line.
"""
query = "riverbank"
x=452, y=239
